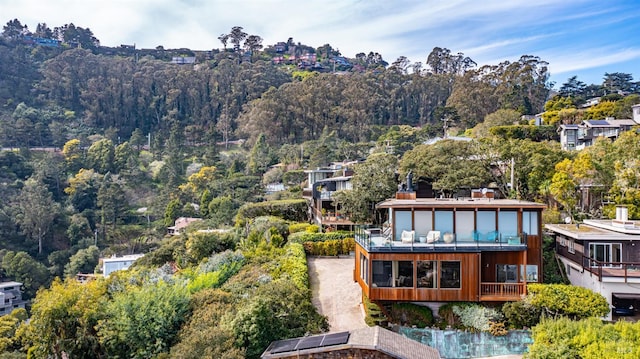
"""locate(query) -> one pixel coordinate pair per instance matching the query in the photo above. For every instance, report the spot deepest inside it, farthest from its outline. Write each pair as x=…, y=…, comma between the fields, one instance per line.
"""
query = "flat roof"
x=129, y=257
x=589, y=232
x=10, y=284
x=458, y=203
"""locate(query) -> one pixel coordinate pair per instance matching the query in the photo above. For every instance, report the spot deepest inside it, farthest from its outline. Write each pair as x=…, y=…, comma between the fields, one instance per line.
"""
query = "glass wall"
x=464, y=225
x=381, y=274
x=530, y=223
x=402, y=223
x=444, y=221
x=486, y=225
x=508, y=223
x=423, y=222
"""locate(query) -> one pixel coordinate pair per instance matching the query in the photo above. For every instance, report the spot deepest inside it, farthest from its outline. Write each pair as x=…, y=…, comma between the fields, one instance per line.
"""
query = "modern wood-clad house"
x=443, y=250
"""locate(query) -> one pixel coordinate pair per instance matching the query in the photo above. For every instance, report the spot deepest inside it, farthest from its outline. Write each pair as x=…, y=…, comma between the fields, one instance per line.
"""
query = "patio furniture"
x=408, y=236
x=433, y=236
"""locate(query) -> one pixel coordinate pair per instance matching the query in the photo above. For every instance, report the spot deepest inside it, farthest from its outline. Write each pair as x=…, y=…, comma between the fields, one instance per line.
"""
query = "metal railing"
x=611, y=269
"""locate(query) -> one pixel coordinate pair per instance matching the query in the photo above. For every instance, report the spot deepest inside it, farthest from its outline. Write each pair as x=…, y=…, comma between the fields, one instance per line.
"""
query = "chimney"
x=622, y=213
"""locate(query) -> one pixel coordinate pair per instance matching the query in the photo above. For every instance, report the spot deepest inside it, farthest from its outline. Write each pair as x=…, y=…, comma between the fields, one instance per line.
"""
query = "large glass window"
x=449, y=274
x=444, y=221
x=506, y=273
x=403, y=273
x=423, y=222
x=364, y=268
x=427, y=274
x=381, y=274
x=486, y=225
x=508, y=223
x=531, y=273
x=403, y=223
x=530, y=222
x=608, y=253
x=464, y=225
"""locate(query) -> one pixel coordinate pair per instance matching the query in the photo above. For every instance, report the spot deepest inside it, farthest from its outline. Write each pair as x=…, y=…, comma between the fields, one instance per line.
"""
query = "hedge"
x=332, y=247
x=302, y=237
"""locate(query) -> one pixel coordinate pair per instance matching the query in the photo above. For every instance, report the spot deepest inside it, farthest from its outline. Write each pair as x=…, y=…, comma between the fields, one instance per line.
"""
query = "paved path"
x=335, y=294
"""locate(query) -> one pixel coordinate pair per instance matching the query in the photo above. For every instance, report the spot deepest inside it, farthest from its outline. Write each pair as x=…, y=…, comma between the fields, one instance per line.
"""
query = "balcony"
x=502, y=291
x=378, y=240
x=623, y=271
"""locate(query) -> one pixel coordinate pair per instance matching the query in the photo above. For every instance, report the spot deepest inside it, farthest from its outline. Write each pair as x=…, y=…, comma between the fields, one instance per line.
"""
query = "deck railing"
x=503, y=290
x=602, y=269
x=375, y=238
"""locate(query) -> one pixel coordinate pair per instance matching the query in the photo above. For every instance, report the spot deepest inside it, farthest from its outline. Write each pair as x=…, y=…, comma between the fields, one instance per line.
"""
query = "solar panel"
x=310, y=342
x=335, y=339
x=316, y=341
x=282, y=346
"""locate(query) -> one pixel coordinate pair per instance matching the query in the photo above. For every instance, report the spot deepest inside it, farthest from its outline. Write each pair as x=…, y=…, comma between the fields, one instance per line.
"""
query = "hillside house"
x=180, y=224
x=442, y=250
x=112, y=264
x=604, y=256
x=322, y=183
x=10, y=297
x=577, y=137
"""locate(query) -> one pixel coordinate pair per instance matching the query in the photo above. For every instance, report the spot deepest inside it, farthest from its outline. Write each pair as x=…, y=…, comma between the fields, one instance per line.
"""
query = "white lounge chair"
x=408, y=236
x=433, y=236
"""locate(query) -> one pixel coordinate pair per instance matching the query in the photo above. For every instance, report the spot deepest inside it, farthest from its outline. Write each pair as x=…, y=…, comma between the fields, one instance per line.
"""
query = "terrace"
x=374, y=239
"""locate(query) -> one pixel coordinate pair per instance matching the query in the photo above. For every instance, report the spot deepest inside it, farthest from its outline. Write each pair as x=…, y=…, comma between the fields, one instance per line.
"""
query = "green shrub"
x=588, y=338
x=298, y=227
x=566, y=300
x=301, y=237
x=292, y=210
x=374, y=315
x=332, y=247
x=477, y=317
x=448, y=317
x=521, y=314
x=410, y=314
x=293, y=264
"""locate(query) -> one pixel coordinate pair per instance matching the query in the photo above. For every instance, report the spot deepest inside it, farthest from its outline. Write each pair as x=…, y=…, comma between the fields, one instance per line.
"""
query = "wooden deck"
x=502, y=291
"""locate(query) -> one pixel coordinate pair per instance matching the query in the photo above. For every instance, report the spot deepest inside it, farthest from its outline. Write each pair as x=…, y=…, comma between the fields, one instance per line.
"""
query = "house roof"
x=10, y=284
x=592, y=230
x=458, y=203
x=128, y=257
x=369, y=338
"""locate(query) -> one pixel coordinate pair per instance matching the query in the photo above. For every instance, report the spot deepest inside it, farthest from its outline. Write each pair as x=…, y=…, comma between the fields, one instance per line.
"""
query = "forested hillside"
x=104, y=148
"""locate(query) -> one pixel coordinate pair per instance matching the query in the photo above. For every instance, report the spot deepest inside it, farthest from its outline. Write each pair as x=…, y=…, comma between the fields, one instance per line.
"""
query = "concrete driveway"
x=335, y=294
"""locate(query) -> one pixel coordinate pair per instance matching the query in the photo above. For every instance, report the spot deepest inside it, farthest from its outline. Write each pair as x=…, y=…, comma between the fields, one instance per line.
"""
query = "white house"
x=10, y=297
x=112, y=264
x=604, y=256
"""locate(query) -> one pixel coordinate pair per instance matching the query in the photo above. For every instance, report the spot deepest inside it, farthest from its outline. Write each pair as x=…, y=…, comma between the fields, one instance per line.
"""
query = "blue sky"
x=577, y=37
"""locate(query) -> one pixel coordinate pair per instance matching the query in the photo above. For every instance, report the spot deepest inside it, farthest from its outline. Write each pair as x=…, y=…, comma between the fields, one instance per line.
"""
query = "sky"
x=582, y=38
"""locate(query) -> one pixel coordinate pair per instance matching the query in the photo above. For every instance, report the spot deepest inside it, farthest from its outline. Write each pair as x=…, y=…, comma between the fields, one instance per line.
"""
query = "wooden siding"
x=478, y=277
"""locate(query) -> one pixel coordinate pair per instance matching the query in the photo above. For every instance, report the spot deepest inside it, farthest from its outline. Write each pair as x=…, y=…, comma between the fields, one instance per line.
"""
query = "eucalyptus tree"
x=35, y=211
